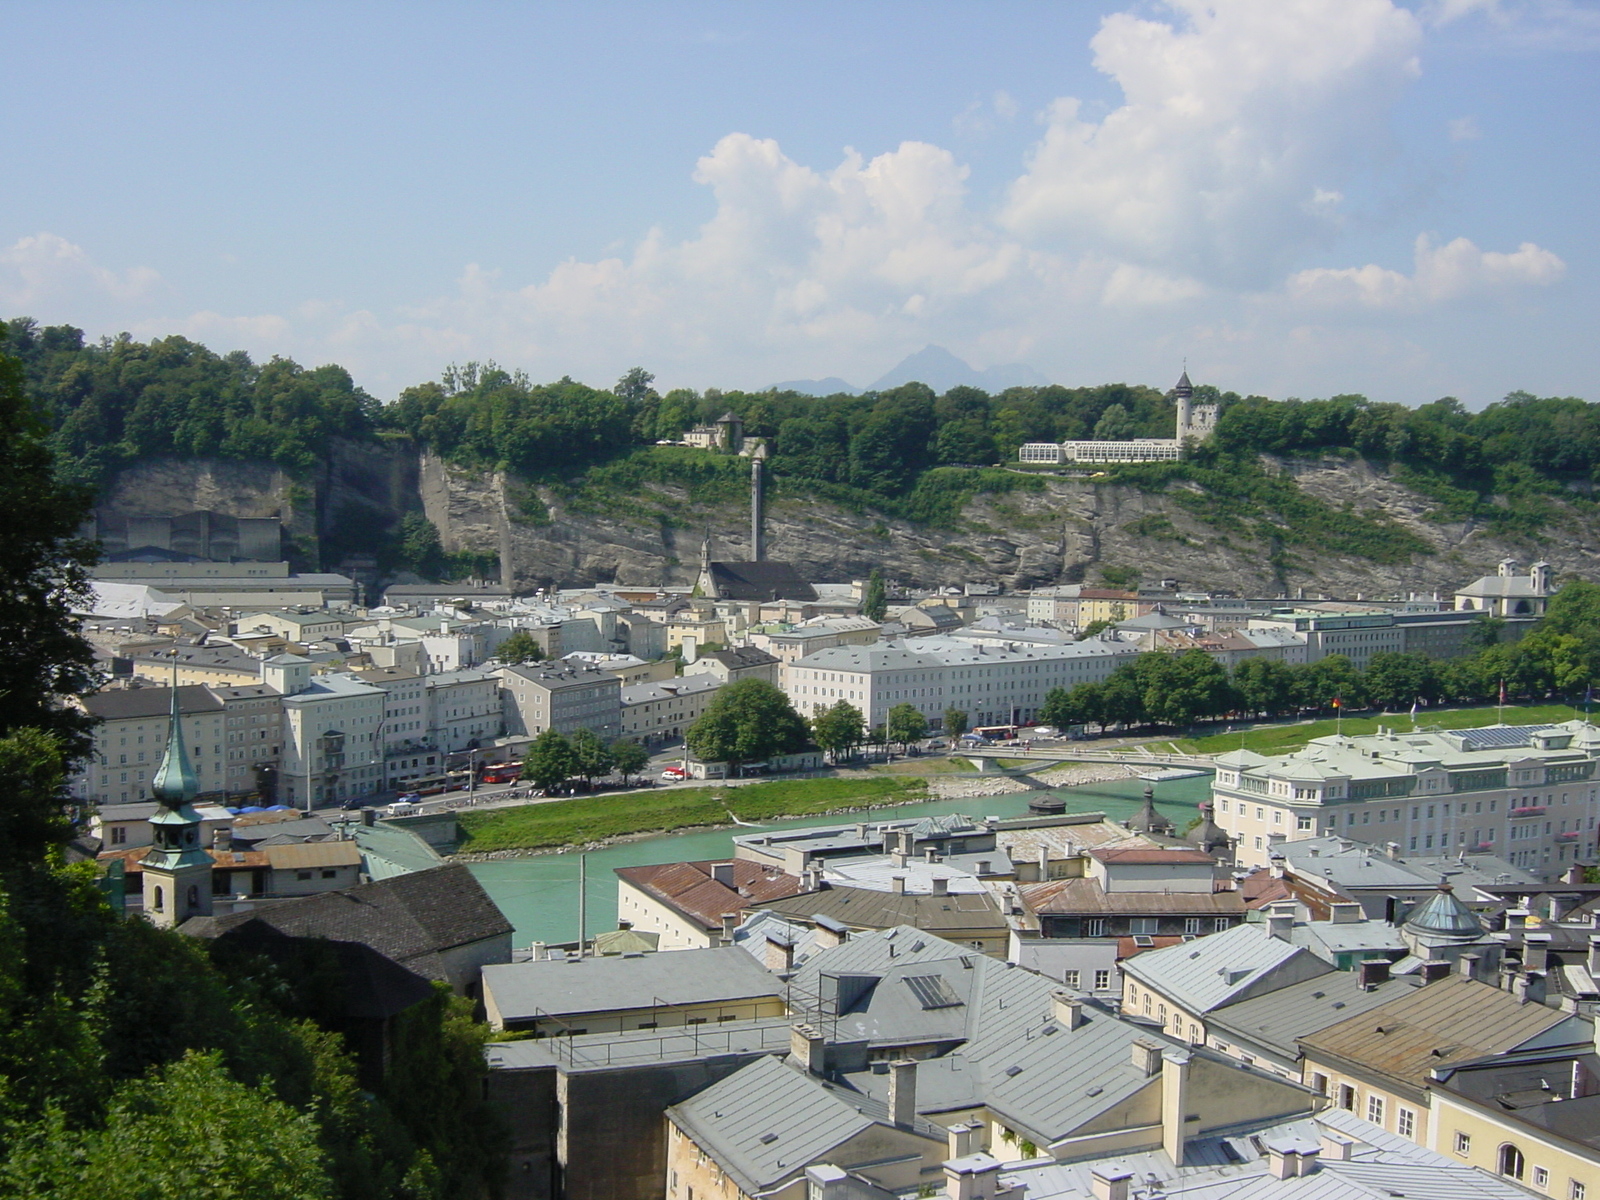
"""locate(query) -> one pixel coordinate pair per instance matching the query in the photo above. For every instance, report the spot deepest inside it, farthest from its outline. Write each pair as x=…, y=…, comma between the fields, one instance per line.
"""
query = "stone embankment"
x=958, y=787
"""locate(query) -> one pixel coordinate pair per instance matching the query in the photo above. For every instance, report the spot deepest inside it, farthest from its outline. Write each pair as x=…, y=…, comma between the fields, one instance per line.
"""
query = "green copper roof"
x=175, y=784
x=1443, y=913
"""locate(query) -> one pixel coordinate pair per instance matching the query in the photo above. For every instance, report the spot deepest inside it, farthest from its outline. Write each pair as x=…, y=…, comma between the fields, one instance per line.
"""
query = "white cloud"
x=45, y=268
x=1442, y=273
x=1463, y=129
x=1233, y=118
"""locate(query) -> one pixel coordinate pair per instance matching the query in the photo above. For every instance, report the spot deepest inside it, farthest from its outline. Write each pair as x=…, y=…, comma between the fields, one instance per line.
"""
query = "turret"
x=177, y=871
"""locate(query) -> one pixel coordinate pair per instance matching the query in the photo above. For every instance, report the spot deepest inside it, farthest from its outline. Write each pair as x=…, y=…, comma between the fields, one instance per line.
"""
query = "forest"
x=905, y=452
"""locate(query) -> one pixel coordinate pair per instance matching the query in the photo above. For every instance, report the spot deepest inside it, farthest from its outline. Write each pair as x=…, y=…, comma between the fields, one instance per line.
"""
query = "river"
x=539, y=892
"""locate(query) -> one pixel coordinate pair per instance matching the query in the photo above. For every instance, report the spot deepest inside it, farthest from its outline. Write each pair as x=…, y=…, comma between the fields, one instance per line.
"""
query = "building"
x=253, y=739
x=190, y=537
x=1524, y=792
x=688, y=904
x=567, y=997
x=1138, y=892
x=787, y=645
x=464, y=709
x=656, y=713
x=242, y=585
x=758, y=580
x=131, y=737
x=223, y=666
x=439, y=923
x=333, y=736
x=301, y=627
x=1507, y=594
x=1195, y=422
x=125, y=826
x=994, y=685
x=176, y=869
x=560, y=696
x=732, y=665
x=411, y=749
x=972, y=921
x=1380, y=1064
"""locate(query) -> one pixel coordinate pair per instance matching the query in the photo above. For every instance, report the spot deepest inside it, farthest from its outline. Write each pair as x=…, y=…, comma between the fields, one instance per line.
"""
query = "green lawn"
x=924, y=766
x=1279, y=739
x=590, y=818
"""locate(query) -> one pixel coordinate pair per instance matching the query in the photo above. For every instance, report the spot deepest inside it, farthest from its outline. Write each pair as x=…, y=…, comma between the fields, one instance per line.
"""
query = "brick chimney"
x=809, y=1048
x=1110, y=1182
x=1536, y=951
x=903, y=1092
x=1434, y=970
x=1066, y=1008
x=1372, y=972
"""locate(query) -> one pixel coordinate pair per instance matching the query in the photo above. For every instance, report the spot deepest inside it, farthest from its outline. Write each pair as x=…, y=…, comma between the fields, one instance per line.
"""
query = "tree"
x=628, y=757
x=1114, y=425
x=550, y=761
x=745, y=722
x=1575, y=608
x=1265, y=685
x=634, y=386
x=520, y=647
x=955, y=722
x=875, y=604
x=905, y=725
x=590, y=756
x=420, y=548
x=1094, y=628
x=1397, y=681
x=838, y=730
x=1486, y=631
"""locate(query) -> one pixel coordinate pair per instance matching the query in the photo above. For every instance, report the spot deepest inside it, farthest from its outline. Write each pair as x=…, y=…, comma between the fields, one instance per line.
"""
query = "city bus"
x=997, y=733
x=500, y=772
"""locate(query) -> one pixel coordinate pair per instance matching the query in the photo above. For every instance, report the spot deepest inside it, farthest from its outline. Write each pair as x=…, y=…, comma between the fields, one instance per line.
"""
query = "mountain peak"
x=942, y=370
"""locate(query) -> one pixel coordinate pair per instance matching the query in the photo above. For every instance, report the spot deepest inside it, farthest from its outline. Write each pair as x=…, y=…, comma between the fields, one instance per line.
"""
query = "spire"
x=1208, y=835
x=1184, y=387
x=175, y=785
x=1147, y=819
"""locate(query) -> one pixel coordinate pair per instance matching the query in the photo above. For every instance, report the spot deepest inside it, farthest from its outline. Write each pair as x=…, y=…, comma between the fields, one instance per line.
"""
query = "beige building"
x=1507, y=594
x=560, y=696
x=131, y=736
x=653, y=713
x=301, y=627
x=689, y=904
x=253, y=720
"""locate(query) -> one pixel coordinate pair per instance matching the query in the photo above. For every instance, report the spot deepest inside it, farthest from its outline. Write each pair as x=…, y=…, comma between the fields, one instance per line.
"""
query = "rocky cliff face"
x=1065, y=533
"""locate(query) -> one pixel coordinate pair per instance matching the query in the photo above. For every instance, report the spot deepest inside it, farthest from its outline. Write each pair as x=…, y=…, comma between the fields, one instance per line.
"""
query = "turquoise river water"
x=539, y=892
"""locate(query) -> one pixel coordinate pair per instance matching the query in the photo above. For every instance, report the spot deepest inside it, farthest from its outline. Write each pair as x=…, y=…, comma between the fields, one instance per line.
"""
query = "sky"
x=1290, y=197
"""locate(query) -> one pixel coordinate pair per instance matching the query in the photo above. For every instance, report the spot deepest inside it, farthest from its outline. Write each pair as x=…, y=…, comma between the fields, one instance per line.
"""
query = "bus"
x=432, y=785
x=500, y=772
x=997, y=733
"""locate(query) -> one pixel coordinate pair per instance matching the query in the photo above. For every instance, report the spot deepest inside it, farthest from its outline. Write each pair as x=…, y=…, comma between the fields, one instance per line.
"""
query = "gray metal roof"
x=1221, y=968
x=557, y=987
x=1276, y=1020
x=767, y=1121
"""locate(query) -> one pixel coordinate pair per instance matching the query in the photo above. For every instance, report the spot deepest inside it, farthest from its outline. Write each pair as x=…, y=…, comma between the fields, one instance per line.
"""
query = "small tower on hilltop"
x=1198, y=421
x=177, y=871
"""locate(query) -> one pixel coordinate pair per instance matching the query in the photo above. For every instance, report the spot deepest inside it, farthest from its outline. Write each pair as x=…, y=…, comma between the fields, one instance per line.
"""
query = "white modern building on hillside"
x=993, y=685
x=1196, y=421
x=1527, y=793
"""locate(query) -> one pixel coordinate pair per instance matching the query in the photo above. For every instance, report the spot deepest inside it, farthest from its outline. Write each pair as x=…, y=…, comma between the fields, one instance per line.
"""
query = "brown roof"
x=1127, y=948
x=864, y=908
x=1451, y=1020
x=1063, y=896
x=1151, y=856
x=688, y=888
x=314, y=854
x=1259, y=888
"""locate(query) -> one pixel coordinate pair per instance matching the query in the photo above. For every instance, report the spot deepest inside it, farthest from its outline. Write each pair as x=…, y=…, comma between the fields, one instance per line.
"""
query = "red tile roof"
x=688, y=887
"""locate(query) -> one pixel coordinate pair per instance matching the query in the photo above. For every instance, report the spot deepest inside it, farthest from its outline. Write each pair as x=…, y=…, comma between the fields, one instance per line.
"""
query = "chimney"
x=1280, y=926
x=1174, y=1102
x=1044, y=863
x=722, y=872
x=903, y=1092
x=1110, y=1182
x=1392, y=849
x=941, y=886
x=1346, y=912
x=828, y=1182
x=983, y=867
x=899, y=857
x=1147, y=1055
x=1467, y=965
x=809, y=1048
x=1291, y=1157
x=369, y=816
x=898, y=883
x=730, y=922
x=1594, y=954
x=222, y=839
x=975, y=1177
x=1336, y=1147
x=1536, y=951
x=1434, y=970
x=1371, y=972
x=1066, y=1008
x=963, y=1139
x=779, y=955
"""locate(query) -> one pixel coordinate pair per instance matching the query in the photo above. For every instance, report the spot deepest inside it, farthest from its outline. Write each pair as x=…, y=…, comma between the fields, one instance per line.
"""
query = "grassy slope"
x=589, y=818
x=1279, y=739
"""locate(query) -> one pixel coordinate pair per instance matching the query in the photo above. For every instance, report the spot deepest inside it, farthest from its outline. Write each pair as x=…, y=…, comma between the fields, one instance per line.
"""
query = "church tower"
x=177, y=871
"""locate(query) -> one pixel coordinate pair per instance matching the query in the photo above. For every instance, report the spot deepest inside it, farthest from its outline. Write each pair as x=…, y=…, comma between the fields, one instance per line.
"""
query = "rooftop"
x=1224, y=968
x=690, y=888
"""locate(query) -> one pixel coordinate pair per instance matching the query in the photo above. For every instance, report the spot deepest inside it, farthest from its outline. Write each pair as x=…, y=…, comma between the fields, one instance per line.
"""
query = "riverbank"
x=589, y=821
x=1070, y=775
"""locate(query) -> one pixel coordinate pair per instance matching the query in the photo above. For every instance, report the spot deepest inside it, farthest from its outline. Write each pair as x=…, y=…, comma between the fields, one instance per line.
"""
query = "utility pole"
x=583, y=902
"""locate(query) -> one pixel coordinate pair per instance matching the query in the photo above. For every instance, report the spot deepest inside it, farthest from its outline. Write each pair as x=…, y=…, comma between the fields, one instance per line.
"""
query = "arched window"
x=159, y=901
x=1512, y=1163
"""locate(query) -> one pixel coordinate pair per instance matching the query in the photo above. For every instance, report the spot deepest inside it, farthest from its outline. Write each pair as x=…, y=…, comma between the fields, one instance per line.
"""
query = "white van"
x=402, y=808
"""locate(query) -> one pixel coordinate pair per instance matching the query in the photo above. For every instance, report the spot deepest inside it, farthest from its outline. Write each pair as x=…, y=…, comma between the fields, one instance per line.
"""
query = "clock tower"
x=177, y=871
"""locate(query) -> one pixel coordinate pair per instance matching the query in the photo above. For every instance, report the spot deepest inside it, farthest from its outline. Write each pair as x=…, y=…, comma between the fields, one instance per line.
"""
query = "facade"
x=687, y=904
x=655, y=713
x=253, y=729
x=131, y=737
x=560, y=696
x=992, y=684
x=787, y=645
x=1507, y=594
x=1195, y=422
x=464, y=709
x=1135, y=892
x=732, y=665
x=302, y=627
x=1525, y=792
x=410, y=748
x=333, y=742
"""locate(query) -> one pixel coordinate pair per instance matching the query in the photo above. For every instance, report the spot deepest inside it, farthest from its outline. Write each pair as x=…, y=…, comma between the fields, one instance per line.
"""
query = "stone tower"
x=177, y=871
x=758, y=538
x=1196, y=421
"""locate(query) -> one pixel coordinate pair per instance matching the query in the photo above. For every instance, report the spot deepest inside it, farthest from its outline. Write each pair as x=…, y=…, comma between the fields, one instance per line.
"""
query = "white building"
x=1194, y=421
x=662, y=711
x=1527, y=793
x=1507, y=594
x=560, y=696
x=991, y=684
x=464, y=709
x=132, y=735
x=333, y=748
x=409, y=748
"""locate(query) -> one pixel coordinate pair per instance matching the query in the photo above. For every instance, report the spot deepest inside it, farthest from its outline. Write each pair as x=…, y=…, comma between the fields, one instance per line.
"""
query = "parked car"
x=674, y=773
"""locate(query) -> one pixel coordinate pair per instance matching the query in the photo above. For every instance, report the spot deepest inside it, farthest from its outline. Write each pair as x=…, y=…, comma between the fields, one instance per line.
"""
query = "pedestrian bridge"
x=987, y=758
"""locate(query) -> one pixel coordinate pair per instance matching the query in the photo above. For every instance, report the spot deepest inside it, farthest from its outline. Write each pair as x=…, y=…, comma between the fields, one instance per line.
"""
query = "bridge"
x=1136, y=759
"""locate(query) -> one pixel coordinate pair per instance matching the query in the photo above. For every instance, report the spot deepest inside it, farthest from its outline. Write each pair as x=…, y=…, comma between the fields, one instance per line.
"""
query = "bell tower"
x=177, y=871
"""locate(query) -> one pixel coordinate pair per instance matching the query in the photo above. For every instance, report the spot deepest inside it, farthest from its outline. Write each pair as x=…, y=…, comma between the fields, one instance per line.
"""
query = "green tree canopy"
x=905, y=725
x=628, y=757
x=746, y=722
x=875, y=603
x=591, y=757
x=838, y=730
x=520, y=647
x=550, y=761
x=955, y=722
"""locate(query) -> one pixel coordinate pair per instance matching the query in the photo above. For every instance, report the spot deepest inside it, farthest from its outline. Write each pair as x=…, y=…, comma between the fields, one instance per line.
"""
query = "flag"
x=1337, y=703
x=1414, y=704
x=1502, y=691
x=1588, y=695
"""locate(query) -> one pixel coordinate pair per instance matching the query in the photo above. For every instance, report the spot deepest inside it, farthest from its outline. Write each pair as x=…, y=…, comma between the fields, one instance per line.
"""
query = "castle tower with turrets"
x=1198, y=421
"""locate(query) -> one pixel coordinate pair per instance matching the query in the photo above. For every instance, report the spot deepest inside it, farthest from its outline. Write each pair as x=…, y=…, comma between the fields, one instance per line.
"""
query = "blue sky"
x=1299, y=197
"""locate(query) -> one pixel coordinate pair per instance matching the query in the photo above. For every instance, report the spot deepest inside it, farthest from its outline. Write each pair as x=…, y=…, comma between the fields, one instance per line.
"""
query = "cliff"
x=1065, y=531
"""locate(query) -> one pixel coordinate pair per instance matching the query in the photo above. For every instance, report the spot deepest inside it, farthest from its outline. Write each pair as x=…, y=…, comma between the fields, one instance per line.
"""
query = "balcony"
x=1533, y=810
x=1571, y=835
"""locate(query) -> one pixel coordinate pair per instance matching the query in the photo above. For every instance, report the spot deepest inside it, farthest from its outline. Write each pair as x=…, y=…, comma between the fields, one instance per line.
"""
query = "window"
x=1463, y=1143
x=1576, y=1190
x=1070, y=978
x=1510, y=1162
x=1102, y=980
x=1145, y=925
x=1319, y=1083
x=1304, y=823
x=1406, y=1123
x=1095, y=927
x=1191, y=924
x=119, y=835
x=302, y=874
x=1219, y=924
x=1347, y=1097
x=1541, y=1177
x=1375, y=1109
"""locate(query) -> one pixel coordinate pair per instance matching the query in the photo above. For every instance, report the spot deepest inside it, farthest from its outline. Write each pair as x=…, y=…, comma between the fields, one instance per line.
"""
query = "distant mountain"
x=941, y=370
x=831, y=386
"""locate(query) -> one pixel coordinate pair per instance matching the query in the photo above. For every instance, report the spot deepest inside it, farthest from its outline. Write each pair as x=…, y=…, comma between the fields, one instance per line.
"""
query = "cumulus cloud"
x=44, y=267
x=1237, y=122
x=1442, y=273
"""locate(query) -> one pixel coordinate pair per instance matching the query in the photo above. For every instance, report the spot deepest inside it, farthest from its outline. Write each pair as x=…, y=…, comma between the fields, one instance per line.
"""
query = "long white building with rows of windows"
x=1527, y=793
x=992, y=684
